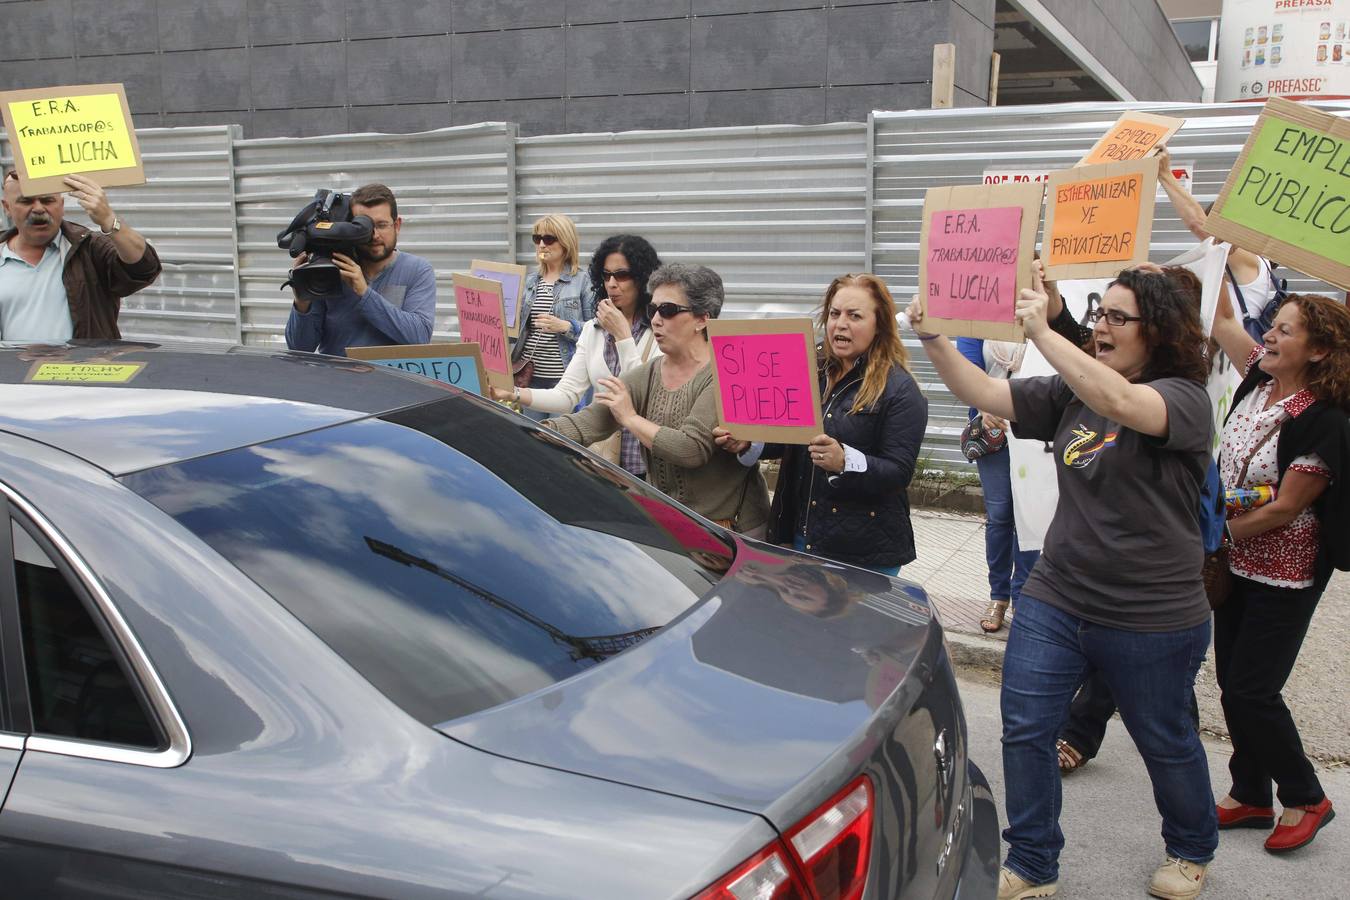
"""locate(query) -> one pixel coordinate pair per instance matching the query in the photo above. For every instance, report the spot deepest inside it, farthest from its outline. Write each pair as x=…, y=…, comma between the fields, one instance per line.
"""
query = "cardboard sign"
x=764, y=373
x=512, y=279
x=1098, y=219
x=975, y=251
x=460, y=365
x=482, y=321
x=80, y=130
x=1134, y=136
x=1288, y=197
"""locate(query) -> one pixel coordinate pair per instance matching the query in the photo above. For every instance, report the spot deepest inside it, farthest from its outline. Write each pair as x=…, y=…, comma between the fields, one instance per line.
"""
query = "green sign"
x=1294, y=185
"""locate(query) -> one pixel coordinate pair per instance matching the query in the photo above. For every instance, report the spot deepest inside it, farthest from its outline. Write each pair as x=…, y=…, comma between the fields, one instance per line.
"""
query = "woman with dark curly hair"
x=1287, y=432
x=616, y=341
x=1118, y=586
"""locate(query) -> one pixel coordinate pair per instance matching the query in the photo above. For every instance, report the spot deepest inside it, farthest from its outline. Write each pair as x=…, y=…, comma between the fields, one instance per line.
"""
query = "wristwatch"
x=115, y=227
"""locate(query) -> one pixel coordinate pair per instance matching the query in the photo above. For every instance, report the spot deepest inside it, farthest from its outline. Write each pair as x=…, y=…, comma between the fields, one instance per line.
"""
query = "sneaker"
x=1012, y=886
x=1177, y=879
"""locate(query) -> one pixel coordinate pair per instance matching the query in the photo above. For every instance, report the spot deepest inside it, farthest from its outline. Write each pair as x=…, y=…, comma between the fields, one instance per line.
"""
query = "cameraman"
x=388, y=297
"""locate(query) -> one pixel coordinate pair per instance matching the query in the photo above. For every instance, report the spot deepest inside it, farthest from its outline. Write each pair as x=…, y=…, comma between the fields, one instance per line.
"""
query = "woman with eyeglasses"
x=1118, y=586
x=558, y=299
x=669, y=405
x=617, y=340
x=845, y=495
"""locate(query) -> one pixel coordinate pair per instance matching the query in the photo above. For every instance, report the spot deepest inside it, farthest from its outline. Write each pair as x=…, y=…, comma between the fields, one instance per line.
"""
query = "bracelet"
x=927, y=337
x=515, y=394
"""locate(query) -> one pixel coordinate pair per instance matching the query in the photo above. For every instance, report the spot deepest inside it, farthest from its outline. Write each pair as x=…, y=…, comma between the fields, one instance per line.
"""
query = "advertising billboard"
x=1299, y=49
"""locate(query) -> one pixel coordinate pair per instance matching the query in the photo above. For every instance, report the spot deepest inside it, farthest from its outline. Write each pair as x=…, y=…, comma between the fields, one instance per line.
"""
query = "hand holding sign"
x=1032, y=304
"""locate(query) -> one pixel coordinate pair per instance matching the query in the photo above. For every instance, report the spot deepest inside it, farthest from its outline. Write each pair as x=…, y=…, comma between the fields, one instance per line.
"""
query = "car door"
x=12, y=735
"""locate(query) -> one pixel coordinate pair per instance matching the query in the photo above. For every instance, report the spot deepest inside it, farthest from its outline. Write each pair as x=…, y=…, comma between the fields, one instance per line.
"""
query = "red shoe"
x=1245, y=816
x=1290, y=837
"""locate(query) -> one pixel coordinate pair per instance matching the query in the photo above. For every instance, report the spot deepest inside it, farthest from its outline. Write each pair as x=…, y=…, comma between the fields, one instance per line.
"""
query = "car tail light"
x=822, y=857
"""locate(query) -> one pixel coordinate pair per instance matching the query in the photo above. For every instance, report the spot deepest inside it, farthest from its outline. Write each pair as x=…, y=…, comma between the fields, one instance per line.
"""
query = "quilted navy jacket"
x=855, y=517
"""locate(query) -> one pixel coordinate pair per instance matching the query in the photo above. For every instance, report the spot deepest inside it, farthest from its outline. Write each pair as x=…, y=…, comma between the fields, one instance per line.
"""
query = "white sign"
x=1183, y=171
x=1298, y=49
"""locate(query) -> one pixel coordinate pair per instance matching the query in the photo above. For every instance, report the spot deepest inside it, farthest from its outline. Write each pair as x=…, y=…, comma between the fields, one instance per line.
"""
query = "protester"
x=1008, y=565
x=388, y=295
x=669, y=404
x=1287, y=430
x=618, y=339
x=845, y=496
x=59, y=280
x=1251, y=276
x=1081, y=737
x=1118, y=586
x=558, y=299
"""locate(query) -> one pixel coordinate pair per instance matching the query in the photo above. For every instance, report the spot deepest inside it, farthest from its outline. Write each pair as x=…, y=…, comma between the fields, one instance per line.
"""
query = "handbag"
x=1217, y=576
x=522, y=372
x=977, y=442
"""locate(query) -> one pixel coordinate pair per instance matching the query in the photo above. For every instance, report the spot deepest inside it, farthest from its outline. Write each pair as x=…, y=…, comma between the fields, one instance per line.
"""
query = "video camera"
x=324, y=227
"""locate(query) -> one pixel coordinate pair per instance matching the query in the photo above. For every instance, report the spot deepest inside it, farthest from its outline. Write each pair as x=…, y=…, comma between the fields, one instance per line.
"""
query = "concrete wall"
x=1135, y=42
x=304, y=67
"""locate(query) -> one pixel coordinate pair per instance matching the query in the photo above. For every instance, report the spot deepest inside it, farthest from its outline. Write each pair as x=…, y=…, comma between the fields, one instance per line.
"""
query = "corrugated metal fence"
x=777, y=210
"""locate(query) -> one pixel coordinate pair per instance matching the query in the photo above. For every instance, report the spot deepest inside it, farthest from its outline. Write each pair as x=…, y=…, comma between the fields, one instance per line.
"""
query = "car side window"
x=77, y=686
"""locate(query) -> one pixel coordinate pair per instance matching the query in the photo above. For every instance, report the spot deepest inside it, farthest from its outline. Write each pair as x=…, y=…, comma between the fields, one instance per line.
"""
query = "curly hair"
x=1171, y=322
x=886, y=351
x=1327, y=324
x=642, y=262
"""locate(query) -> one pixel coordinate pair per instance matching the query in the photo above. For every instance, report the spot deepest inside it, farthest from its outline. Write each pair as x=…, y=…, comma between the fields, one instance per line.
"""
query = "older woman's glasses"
x=666, y=310
x=1112, y=316
x=548, y=240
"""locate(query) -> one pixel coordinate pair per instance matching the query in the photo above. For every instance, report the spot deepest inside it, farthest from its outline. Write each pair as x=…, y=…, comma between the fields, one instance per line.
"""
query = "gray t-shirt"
x=1124, y=547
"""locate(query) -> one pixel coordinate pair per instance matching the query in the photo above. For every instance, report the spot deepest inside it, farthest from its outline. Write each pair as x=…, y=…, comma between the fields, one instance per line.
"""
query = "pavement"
x=951, y=567
x=1111, y=825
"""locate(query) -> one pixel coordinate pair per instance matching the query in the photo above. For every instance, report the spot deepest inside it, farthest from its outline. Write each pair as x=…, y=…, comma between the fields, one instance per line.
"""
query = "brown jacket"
x=96, y=280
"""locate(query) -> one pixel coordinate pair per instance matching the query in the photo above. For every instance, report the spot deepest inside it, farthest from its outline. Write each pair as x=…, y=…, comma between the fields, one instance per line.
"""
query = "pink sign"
x=481, y=321
x=972, y=263
x=764, y=379
x=687, y=533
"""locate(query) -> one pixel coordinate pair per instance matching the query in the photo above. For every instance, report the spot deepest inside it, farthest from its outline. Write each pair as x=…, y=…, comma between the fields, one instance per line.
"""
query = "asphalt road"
x=1111, y=826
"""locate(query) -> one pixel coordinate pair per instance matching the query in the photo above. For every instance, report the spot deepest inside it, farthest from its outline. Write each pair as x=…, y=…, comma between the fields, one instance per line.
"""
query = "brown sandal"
x=993, y=615
x=1070, y=759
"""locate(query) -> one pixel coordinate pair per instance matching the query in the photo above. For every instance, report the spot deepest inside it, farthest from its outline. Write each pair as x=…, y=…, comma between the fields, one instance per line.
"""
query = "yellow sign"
x=63, y=131
x=85, y=373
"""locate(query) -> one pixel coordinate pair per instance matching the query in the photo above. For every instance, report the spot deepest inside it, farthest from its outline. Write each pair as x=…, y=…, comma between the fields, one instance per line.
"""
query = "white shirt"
x=33, y=303
x=588, y=366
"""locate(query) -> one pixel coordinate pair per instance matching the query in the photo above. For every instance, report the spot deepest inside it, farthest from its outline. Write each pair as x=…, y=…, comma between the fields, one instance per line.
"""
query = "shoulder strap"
x=1238, y=290
x=1242, y=476
x=651, y=342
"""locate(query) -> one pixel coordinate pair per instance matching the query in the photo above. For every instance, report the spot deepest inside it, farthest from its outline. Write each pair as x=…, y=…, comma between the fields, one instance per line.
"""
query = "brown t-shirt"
x=1124, y=547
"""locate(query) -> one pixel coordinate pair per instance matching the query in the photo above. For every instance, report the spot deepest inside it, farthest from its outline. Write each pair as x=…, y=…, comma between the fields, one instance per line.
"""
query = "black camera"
x=324, y=227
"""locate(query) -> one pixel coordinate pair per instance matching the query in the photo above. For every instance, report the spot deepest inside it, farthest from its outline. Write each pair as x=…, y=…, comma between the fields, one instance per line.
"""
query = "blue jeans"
x=799, y=544
x=1151, y=675
x=1000, y=530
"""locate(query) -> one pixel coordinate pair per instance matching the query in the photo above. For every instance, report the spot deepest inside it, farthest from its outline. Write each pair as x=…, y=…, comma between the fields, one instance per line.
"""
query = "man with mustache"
x=60, y=280
x=388, y=295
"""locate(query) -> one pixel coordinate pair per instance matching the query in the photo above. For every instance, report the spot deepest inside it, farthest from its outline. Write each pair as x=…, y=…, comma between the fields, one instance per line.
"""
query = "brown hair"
x=886, y=351
x=1171, y=323
x=374, y=195
x=1327, y=324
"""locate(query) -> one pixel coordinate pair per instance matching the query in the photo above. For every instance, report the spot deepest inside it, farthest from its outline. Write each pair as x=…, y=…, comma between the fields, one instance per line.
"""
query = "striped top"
x=541, y=346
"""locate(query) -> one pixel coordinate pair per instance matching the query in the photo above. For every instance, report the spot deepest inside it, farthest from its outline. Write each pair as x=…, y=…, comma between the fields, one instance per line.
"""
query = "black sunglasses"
x=666, y=310
x=619, y=275
x=546, y=239
x=1112, y=316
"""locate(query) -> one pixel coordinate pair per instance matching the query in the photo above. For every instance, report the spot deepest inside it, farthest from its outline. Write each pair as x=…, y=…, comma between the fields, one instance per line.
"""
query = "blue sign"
x=462, y=372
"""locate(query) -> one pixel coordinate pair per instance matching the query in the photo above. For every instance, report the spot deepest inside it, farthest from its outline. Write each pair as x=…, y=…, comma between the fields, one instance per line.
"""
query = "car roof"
x=129, y=405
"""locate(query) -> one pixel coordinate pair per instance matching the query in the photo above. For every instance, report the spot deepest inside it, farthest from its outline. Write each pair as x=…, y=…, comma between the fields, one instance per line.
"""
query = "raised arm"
x=1245, y=264
x=1234, y=340
x=969, y=382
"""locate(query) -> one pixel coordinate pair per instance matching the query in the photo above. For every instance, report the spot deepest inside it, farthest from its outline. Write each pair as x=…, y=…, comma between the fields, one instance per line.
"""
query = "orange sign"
x=1134, y=136
x=1098, y=219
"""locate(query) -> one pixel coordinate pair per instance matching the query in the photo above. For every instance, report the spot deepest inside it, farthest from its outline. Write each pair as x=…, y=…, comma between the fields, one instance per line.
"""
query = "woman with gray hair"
x=669, y=404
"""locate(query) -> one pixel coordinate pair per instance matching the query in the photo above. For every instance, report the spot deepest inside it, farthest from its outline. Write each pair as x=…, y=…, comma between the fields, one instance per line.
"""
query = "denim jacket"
x=573, y=300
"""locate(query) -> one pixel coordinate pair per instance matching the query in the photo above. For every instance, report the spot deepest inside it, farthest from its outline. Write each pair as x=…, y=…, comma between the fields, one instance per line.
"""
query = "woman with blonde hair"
x=844, y=496
x=558, y=299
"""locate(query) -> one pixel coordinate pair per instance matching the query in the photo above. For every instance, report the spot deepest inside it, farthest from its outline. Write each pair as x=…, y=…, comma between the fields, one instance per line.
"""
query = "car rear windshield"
x=455, y=555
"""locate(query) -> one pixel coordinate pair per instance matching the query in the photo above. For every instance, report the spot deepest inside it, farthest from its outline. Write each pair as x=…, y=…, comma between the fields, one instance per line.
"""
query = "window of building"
x=1199, y=37
x=77, y=687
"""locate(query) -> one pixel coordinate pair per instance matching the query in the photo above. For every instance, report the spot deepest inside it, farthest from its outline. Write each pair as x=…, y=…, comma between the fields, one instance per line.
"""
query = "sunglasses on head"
x=620, y=275
x=666, y=310
x=547, y=240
